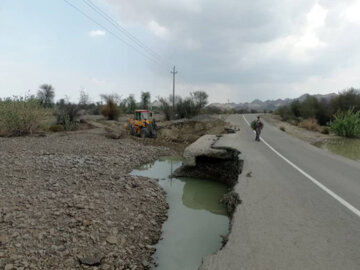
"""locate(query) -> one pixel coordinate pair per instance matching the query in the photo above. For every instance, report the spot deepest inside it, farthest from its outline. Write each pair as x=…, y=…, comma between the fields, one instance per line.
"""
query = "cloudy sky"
x=235, y=50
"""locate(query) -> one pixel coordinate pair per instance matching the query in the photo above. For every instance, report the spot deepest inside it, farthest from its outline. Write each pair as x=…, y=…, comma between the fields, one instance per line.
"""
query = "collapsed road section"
x=211, y=157
x=215, y=158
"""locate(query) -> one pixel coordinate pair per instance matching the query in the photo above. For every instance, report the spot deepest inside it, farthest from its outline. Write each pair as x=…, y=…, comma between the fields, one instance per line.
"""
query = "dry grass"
x=21, y=116
x=310, y=124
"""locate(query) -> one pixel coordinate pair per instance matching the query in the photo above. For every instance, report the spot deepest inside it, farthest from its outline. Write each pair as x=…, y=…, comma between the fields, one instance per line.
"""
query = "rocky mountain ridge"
x=259, y=105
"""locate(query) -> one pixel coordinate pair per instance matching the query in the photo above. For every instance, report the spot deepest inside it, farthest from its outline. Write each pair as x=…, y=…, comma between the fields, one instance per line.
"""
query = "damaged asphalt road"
x=286, y=221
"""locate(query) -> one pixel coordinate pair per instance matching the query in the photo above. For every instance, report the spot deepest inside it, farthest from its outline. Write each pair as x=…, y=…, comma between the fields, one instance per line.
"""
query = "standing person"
x=258, y=127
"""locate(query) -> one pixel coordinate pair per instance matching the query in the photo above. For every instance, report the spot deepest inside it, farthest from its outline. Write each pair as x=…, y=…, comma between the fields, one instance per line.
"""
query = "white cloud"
x=97, y=33
x=299, y=47
x=157, y=29
x=352, y=12
x=248, y=49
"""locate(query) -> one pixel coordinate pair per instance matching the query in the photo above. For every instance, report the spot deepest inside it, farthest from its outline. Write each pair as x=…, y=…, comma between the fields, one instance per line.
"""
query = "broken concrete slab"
x=228, y=142
x=212, y=157
x=203, y=147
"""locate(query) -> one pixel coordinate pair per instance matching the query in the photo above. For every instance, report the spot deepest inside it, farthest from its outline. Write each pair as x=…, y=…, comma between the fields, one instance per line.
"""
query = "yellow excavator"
x=142, y=125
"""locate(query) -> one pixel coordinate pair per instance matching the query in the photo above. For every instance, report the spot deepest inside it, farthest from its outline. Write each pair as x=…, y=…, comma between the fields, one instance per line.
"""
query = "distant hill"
x=268, y=105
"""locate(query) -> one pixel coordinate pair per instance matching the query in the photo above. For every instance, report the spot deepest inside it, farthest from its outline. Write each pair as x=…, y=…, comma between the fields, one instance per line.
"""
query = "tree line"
x=341, y=113
x=23, y=115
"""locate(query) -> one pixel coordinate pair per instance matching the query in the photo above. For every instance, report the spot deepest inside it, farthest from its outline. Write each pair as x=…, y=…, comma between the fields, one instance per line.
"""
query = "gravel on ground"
x=68, y=202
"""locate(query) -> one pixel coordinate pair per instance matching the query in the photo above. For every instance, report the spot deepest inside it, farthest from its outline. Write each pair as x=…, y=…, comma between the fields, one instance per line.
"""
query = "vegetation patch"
x=184, y=107
x=110, y=110
x=346, y=124
x=67, y=115
x=21, y=116
x=309, y=124
x=340, y=113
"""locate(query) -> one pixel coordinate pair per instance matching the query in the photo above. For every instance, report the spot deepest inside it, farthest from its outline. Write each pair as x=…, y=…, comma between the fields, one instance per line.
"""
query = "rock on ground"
x=67, y=202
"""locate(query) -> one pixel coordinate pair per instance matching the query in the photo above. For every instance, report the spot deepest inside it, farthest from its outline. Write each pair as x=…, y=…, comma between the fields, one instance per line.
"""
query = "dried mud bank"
x=67, y=202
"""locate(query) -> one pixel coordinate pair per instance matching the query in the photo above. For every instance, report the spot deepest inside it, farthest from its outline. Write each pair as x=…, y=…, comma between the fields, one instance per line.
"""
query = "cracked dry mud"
x=67, y=202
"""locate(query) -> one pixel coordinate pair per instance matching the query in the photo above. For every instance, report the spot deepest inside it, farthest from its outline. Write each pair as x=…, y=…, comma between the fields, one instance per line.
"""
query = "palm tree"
x=46, y=95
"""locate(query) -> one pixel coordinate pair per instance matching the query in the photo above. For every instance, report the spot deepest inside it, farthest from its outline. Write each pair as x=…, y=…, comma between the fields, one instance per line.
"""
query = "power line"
x=120, y=28
x=154, y=56
x=112, y=21
x=112, y=33
x=107, y=17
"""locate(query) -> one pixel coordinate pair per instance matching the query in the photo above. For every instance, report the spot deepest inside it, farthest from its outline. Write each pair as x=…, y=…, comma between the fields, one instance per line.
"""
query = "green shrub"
x=110, y=110
x=67, y=114
x=285, y=113
x=346, y=100
x=166, y=108
x=21, y=116
x=322, y=110
x=128, y=105
x=309, y=107
x=187, y=107
x=253, y=125
x=56, y=128
x=346, y=124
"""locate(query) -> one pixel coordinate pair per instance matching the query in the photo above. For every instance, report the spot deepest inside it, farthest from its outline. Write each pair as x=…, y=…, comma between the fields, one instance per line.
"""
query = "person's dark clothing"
x=258, y=127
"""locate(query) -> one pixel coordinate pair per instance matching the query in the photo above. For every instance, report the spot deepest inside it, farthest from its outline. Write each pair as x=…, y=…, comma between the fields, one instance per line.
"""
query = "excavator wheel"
x=144, y=133
x=132, y=132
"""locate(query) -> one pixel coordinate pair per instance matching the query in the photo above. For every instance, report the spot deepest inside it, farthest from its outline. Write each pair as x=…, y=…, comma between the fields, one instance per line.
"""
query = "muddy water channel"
x=196, y=218
x=349, y=148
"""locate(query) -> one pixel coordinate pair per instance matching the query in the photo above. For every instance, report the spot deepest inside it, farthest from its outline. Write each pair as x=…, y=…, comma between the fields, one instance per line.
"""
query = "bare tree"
x=113, y=97
x=84, y=99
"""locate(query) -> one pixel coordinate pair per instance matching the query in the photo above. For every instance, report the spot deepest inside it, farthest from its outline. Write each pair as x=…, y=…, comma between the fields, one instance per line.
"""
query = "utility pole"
x=173, y=72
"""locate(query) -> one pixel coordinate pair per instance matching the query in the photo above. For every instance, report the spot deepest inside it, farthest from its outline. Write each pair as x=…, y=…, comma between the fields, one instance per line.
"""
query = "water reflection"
x=195, y=197
x=349, y=148
x=196, y=218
